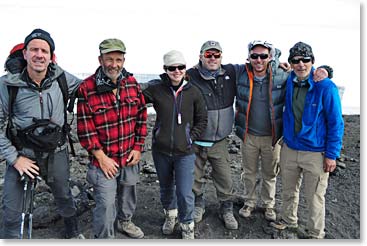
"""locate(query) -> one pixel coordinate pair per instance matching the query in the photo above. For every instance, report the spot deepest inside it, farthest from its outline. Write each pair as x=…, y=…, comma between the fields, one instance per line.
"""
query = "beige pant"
x=253, y=148
x=295, y=166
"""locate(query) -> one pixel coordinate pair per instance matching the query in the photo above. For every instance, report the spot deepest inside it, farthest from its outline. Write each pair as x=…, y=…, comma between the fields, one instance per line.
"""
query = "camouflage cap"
x=301, y=49
x=110, y=45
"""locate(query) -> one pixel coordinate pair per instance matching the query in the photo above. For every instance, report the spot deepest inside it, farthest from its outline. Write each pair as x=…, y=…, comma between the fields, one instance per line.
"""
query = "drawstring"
x=177, y=96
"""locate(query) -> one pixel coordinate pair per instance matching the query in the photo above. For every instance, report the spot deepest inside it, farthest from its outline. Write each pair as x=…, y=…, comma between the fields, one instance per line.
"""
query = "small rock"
x=75, y=191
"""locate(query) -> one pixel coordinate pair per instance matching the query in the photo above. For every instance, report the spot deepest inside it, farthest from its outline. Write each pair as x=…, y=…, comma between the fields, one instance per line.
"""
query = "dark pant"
x=13, y=194
x=218, y=157
x=176, y=177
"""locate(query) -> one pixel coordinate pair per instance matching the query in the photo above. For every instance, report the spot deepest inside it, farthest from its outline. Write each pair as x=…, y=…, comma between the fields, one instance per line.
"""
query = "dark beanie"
x=301, y=49
x=40, y=34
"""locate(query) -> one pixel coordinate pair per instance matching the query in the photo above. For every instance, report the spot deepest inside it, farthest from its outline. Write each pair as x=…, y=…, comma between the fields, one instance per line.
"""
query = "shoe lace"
x=187, y=231
x=170, y=221
x=228, y=216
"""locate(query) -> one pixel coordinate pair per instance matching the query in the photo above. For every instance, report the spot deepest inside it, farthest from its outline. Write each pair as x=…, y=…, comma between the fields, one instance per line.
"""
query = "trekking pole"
x=24, y=209
x=30, y=216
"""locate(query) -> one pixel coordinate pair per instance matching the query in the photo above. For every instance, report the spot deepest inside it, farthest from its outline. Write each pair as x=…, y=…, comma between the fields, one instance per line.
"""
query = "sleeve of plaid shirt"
x=141, y=123
x=86, y=130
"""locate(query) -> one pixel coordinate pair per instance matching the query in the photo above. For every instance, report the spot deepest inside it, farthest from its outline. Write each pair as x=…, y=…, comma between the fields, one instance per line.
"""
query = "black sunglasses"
x=262, y=56
x=173, y=68
x=304, y=60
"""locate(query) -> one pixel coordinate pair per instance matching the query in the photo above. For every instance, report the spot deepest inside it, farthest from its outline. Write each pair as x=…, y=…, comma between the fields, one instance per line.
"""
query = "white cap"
x=173, y=57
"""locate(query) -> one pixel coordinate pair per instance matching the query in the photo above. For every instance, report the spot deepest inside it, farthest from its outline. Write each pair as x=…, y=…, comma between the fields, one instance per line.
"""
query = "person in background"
x=313, y=130
x=39, y=97
x=181, y=118
x=111, y=126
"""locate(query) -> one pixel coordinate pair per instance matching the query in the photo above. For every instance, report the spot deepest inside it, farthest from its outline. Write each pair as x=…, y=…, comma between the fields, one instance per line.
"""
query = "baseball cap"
x=254, y=43
x=208, y=45
x=110, y=45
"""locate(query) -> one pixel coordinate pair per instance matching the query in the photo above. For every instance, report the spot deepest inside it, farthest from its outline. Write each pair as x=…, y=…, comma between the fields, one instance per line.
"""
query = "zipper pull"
x=179, y=118
x=41, y=98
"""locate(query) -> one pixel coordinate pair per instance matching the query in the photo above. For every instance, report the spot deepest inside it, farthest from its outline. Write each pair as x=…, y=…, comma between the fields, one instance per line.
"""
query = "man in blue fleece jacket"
x=313, y=130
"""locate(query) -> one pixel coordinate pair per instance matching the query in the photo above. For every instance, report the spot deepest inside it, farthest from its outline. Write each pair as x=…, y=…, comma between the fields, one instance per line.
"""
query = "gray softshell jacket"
x=31, y=102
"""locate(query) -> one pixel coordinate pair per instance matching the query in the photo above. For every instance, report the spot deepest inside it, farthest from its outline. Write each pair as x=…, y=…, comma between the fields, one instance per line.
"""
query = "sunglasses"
x=173, y=68
x=304, y=60
x=210, y=55
x=262, y=56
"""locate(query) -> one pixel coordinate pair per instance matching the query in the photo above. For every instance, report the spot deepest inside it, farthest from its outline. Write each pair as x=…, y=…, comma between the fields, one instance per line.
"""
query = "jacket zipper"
x=41, y=103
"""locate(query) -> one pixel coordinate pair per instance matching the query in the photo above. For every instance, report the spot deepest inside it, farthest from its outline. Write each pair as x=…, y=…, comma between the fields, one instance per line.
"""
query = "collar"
x=104, y=83
x=49, y=75
x=206, y=74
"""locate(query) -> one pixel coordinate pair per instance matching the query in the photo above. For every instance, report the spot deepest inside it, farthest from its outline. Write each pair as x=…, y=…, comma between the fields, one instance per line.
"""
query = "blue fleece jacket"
x=322, y=122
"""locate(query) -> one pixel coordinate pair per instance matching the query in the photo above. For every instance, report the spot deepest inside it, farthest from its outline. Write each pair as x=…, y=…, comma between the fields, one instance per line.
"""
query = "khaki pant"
x=295, y=166
x=218, y=157
x=253, y=148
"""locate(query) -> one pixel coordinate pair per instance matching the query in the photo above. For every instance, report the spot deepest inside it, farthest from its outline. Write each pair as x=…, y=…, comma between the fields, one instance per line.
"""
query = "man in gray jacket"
x=39, y=97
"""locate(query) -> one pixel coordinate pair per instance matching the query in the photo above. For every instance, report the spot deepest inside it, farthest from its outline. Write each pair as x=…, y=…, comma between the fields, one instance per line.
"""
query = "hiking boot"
x=281, y=225
x=246, y=211
x=170, y=221
x=187, y=230
x=270, y=214
x=128, y=227
x=198, y=214
x=229, y=220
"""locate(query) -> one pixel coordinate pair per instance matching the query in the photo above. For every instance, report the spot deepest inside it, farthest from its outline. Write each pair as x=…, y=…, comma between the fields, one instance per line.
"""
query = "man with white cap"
x=181, y=118
x=258, y=123
x=112, y=128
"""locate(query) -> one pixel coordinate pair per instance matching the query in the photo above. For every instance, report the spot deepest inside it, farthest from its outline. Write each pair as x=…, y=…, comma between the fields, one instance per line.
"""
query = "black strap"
x=13, y=91
x=68, y=108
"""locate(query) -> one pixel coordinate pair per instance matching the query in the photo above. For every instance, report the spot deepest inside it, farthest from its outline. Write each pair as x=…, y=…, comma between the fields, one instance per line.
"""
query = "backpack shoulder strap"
x=12, y=91
x=65, y=93
x=64, y=87
x=70, y=108
x=11, y=132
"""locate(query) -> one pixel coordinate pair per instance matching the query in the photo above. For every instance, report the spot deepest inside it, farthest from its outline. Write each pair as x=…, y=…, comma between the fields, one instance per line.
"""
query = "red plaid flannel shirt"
x=103, y=123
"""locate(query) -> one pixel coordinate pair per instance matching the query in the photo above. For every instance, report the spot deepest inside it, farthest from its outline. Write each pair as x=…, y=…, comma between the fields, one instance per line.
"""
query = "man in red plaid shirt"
x=112, y=128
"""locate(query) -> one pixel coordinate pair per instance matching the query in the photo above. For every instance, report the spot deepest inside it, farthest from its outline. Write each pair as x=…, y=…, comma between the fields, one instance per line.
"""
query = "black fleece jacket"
x=171, y=135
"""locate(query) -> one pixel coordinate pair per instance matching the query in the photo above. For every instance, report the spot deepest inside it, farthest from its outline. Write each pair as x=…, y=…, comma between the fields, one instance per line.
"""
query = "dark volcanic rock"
x=342, y=199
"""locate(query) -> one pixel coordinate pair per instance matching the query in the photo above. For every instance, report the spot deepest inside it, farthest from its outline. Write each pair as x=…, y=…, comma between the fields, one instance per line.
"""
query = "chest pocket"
x=101, y=108
x=311, y=112
x=130, y=106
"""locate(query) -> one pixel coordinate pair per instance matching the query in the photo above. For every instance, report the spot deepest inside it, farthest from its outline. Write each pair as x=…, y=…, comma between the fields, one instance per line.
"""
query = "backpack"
x=43, y=135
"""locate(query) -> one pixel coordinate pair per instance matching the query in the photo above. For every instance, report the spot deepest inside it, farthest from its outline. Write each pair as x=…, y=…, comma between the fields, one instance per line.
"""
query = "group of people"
x=294, y=113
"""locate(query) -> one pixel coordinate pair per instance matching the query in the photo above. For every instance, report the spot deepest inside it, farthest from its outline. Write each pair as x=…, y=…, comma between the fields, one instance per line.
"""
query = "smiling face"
x=301, y=66
x=260, y=57
x=176, y=73
x=112, y=64
x=211, y=59
x=38, y=56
